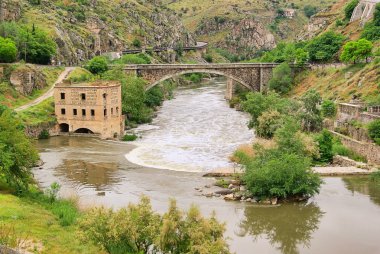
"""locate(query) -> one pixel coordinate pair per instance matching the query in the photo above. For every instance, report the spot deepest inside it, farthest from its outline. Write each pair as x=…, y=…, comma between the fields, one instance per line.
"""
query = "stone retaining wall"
x=369, y=150
x=34, y=131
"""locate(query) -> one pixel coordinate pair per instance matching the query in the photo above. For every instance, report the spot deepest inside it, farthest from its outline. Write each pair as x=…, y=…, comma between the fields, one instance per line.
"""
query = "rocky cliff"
x=85, y=28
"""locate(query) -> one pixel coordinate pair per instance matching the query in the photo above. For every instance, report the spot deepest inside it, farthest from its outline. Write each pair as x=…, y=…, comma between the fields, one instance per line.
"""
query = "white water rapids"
x=196, y=132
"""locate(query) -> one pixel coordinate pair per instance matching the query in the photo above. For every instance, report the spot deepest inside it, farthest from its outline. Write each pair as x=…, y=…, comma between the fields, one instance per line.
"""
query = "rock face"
x=10, y=10
x=317, y=24
x=245, y=37
x=26, y=78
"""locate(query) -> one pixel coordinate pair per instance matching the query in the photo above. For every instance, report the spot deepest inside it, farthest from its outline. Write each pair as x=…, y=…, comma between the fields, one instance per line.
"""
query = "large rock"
x=25, y=78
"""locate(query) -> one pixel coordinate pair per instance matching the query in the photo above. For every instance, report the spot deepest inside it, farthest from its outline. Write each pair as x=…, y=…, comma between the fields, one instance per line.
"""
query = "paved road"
x=48, y=93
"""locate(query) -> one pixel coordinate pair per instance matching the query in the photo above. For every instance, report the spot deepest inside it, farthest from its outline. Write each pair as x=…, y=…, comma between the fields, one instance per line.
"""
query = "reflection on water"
x=365, y=186
x=286, y=227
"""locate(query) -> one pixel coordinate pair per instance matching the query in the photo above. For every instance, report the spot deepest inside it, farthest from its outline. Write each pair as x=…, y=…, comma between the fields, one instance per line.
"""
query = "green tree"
x=8, y=50
x=311, y=114
x=328, y=108
x=355, y=51
x=374, y=131
x=17, y=154
x=349, y=9
x=154, y=97
x=282, y=79
x=97, y=65
x=310, y=10
x=325, y=145
x=324, y=47
x=268, y=123
x=376, y=15
x=371, y=32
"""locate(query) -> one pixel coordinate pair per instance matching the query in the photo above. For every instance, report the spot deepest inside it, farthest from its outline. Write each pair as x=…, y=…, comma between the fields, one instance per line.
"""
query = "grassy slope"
x=42, y=113
x=40, y=227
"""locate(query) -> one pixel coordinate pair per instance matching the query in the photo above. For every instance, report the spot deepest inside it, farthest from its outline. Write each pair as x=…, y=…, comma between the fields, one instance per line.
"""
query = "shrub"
x=282, y=79
x=355, y=51
x=44, y=134
x=52, y=192
x=374, y=131
x=269, y=122
x=8, y=50
x=136, y=43
x=371, y=32
x=349, y=9
x=134, y=59
x=195, y=77
x=208, y=58
x=325, y=145
x=310, y=10
x=129, y=137
x=328, y=108
x=324, y=47
x=97, y=65
x=275, y=173
x=154, y=97
x=339, y=149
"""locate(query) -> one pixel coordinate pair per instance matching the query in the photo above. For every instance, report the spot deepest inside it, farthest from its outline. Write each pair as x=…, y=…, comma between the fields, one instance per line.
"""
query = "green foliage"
x=274, y=173
x=136, y=43
x=324, y=47
x=282, y=79
x=97, y=65
x=376, y=15
x=371, y=31
x=17, y=154
x=268, y=123
x=355, y=51
x=328, y=108
x=129, y=137
x=339, y=149
x=154, y=97
x=310, y=10
x=349, y=9
x=137, y=229
x=325, y=145
x=8, y=50
x=374, y=131
x=52, y=191
x=194, y=77
x=208, y=58
x=44, y=134
x=134, y=59
x=311, y=114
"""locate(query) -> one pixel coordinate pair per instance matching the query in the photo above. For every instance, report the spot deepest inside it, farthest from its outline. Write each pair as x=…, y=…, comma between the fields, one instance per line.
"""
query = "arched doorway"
x=84, y=131
x=64, y=127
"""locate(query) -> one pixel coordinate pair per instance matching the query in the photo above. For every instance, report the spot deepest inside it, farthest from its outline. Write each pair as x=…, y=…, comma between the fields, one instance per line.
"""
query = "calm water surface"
x=190, y=136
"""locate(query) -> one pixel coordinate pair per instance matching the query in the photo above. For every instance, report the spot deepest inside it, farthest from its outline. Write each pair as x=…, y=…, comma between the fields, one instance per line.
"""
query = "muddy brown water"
x=343, y=218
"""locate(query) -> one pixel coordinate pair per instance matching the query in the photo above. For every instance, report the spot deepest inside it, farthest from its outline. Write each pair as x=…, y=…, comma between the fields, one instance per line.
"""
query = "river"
x=193, y=133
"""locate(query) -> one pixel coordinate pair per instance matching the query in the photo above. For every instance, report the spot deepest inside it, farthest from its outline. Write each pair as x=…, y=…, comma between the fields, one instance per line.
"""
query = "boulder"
x=224, y=192
x=229, y=197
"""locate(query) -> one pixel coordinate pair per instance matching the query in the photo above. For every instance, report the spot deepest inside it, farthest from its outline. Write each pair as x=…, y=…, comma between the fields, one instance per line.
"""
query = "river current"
x=193, y=133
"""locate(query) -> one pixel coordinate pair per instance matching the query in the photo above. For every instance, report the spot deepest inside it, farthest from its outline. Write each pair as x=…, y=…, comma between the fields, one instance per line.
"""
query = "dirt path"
x=48, y=93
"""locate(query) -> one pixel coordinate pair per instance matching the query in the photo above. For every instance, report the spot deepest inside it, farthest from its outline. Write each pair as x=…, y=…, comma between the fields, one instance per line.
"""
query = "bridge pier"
x=230, y=89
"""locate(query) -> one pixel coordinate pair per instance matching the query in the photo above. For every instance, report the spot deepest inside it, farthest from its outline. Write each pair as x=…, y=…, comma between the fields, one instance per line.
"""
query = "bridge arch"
x=84, y=131
x=209, y=71
x=64, y=127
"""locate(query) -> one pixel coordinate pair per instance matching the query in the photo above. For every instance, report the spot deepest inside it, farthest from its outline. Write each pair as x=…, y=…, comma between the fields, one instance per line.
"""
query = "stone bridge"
x=254, y=76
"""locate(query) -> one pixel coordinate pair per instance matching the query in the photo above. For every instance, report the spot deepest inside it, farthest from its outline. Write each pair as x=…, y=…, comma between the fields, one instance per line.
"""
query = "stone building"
x=289, y=13
x=90, y=108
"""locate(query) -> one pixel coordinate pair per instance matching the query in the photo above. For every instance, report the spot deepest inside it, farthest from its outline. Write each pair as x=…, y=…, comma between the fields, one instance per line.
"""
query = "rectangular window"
x=83, y=96
x=105, y=112
x=63, y=111
x=92, y=112
x=83, y=112
x=111, y=111
x=62, y=96
x=117, y=110
x=75, y=112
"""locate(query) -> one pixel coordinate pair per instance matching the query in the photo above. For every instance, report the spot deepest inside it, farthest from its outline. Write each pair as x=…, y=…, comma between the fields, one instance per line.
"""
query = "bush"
x=355, y=51
x=349, y=9
x=310, y=10
x=283, y=175
x=325, y=145
x=8, y=50
x=328, y=108
x=282, y=79
x=44, y=134
x=129, y=137
x=134, y=59
x=154, y=97
x=374, y=131
x=371, y=32
x=138, y=229
x=268, y=123
x=136, y=43
x=340, y=149
x=97, y=65
x=208, y=58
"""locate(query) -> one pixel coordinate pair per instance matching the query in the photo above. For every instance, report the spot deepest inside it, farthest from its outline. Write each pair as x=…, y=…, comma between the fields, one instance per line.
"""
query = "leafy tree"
x=282, y=79
x=268, y=123
x=310, y=10
x=328, y=108
x=8, y=50
x=154, y=97
x=136, y=43
x=354, y=51
x=376, y=15
x=325, y=145
x=374, y=131
x=349, y=9
x=324, y=47
x=301, y=57
x=311, y=114
x=97, y=65
x=17, y=154
x=371, y=32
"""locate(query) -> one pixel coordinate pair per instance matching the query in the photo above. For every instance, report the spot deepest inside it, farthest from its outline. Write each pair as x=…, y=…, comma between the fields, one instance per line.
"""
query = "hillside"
x=84, y=28
x=244, y=27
